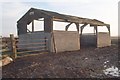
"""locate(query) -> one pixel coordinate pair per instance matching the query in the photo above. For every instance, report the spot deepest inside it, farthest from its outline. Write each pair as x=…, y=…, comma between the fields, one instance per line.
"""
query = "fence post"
x=13, y=45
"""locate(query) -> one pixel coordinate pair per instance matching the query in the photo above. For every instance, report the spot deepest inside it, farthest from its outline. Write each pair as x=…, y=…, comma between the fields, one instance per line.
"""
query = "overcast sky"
x=104, y=10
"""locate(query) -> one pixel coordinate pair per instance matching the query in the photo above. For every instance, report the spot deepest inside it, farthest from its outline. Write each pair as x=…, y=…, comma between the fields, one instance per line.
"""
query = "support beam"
x=48, y=24
x=60, y=20
x=77, y=26
x=66, y=28
x=108, y=27
x=33, y=26
x=82, y=27
x=28, y=30
x=94, y=31
x=96, y=28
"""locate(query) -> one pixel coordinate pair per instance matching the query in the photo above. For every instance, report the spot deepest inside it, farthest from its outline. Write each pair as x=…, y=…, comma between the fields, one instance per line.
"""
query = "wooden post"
x=55, y=49
x=96, y=34
x=77, y=26
x=108, y=27
x=13, y=45
x=48, y=24
x=33, y=26
x=94, y=31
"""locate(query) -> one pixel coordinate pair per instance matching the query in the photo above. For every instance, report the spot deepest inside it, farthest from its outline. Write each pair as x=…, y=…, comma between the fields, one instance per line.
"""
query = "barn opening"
x=96, y=37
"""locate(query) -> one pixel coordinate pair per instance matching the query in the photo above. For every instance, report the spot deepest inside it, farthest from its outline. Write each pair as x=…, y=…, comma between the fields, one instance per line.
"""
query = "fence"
x=19, y=48
x=5, y=43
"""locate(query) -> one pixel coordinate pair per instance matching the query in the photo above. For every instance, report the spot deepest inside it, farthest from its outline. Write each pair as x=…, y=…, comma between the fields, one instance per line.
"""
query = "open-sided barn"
x=61, y=40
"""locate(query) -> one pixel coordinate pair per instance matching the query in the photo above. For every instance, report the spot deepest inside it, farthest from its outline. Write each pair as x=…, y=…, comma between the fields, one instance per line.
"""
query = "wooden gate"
x=22, y=48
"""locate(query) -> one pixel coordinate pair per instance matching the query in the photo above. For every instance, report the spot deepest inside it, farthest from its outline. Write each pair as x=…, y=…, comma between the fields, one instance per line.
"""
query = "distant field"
x=115, y=40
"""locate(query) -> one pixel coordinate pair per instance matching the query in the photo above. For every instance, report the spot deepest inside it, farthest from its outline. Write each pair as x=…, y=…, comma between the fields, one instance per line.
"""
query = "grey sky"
x=104, y=10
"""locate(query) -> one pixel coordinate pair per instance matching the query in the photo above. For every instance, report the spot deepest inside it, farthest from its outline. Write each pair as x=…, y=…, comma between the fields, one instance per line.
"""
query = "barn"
x=59, y=41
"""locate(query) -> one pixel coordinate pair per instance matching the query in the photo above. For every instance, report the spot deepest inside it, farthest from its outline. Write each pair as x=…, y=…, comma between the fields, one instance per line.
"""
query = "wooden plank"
x=32, y=43
x=30, y=47
x=34, y=39
x=29, y=51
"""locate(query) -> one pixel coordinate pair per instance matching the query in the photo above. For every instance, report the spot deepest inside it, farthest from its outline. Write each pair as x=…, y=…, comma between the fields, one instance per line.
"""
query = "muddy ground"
x=85, y=63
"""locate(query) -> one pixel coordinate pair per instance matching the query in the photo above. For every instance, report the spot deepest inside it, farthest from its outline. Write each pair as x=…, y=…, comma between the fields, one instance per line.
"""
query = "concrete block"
x=66, y=41
x=103, y=39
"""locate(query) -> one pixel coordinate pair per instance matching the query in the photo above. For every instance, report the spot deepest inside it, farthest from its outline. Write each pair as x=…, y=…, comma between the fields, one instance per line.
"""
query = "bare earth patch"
x=85, y=63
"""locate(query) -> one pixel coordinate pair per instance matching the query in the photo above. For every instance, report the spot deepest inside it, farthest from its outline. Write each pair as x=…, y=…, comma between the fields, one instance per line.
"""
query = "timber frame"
x=49, y=17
